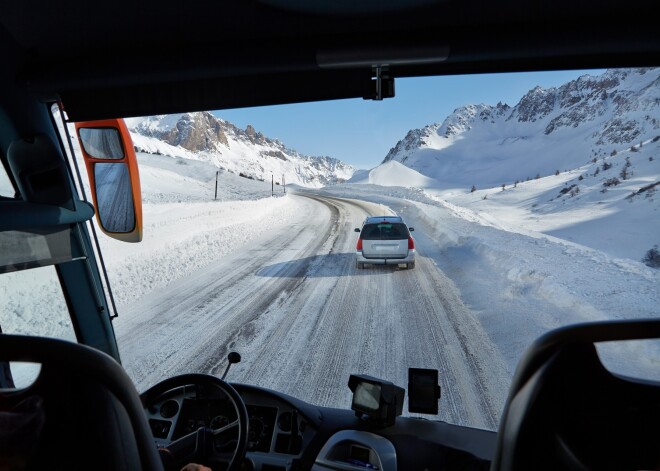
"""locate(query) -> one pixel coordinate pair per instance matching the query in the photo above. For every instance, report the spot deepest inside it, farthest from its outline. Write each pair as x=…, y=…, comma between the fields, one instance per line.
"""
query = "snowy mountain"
x=548, y=130
x=202, y=136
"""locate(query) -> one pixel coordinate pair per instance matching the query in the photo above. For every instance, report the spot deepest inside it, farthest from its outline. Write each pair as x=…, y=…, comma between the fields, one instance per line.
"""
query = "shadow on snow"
x=320, y=266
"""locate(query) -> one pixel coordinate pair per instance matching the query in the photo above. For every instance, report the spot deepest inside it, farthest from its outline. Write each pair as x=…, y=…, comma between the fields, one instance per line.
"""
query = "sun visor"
x=36, y=235
x=216, y=94
x=21, y=215
x=380, y=55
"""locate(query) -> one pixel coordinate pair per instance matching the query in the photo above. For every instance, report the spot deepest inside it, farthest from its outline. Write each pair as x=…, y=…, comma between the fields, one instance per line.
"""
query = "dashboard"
x=287, y=434
x=278, y=431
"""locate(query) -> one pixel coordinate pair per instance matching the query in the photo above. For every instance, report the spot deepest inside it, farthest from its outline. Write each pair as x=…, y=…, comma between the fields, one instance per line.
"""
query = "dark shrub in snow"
x=652, y=257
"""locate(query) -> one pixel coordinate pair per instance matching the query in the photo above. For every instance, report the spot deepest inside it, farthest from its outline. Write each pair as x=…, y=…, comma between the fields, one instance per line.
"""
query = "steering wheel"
x=205, y=445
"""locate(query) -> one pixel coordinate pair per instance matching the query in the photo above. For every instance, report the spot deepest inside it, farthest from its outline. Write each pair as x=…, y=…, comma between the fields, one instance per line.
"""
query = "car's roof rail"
x=371, y=219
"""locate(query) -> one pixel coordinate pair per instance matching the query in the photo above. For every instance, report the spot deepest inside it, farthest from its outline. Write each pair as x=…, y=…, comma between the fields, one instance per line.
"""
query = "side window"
x=32, y=303
x=6, y=188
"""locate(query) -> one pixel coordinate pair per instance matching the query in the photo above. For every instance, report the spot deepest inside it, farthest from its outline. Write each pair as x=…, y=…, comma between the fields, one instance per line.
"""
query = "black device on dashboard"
x=423, y=391
x=381, y=401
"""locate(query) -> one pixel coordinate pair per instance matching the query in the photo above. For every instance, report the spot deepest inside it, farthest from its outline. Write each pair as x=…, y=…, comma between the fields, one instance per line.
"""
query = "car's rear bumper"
x=359, y=258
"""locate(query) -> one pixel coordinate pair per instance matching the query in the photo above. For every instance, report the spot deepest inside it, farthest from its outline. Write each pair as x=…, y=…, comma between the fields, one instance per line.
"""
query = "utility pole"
x=216, y=184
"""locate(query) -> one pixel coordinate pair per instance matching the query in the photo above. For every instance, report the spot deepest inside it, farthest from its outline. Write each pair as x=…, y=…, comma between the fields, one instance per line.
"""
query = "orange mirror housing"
x=114, y=179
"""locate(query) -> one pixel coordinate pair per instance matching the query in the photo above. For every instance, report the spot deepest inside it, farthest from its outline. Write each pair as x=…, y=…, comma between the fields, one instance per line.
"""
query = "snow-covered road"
x=304, y=318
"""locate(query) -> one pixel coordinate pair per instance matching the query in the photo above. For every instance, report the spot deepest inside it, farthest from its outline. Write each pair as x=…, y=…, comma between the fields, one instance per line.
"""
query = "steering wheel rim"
x=241, y=423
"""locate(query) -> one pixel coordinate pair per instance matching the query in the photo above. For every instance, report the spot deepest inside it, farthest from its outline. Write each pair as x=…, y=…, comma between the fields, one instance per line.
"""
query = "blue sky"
x=361, y=132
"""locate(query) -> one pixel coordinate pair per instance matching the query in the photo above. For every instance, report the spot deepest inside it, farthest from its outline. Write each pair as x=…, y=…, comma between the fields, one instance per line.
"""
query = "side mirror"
x=113, y=177
x=411, y=229
x=357, y=230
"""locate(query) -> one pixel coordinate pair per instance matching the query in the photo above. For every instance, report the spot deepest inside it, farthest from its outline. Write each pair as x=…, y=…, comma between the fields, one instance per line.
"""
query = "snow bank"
x=182, y=238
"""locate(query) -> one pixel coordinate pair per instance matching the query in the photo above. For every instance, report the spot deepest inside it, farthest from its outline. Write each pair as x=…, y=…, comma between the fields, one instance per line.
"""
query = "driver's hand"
x=195, y=467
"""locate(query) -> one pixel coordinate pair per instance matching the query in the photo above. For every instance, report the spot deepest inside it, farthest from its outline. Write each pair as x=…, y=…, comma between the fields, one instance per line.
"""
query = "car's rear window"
x=385, y=231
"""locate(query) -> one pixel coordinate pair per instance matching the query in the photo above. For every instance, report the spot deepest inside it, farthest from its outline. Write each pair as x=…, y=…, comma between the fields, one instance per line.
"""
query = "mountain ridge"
x=203, y=136
x=596, y=115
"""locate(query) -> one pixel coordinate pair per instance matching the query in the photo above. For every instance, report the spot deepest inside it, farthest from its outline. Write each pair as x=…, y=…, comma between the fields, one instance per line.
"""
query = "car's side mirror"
x=411, y=229
x=357, y=230
x=113, y=177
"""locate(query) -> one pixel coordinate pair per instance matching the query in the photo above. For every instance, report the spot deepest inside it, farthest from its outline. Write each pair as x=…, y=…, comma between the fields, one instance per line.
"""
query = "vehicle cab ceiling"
x=119, y=59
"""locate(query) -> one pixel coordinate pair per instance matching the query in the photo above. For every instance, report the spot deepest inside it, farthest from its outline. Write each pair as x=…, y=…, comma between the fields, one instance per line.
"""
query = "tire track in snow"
x=315, y=301
x=304, y=318
x=187, y=325
x=480, y=359
x=288, y=316
x=360, y=312
x=423, y=331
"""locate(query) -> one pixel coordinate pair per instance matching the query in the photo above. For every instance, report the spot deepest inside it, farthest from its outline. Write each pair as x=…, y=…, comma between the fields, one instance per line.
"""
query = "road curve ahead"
x=304, y=318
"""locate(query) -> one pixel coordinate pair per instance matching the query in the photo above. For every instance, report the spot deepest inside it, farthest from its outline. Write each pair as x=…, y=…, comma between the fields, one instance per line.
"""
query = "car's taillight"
x=359, y=245
x=411, y=243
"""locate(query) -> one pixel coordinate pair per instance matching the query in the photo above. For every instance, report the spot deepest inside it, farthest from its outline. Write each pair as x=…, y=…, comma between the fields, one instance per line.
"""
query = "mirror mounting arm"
x=379, y=83
x=384, y=84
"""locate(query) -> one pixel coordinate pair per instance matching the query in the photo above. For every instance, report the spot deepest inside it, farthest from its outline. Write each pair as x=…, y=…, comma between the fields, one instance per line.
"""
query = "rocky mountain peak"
x=248, y=152
x=415, y=139
x=534, y=105
x=198, y=131
x=601, y=113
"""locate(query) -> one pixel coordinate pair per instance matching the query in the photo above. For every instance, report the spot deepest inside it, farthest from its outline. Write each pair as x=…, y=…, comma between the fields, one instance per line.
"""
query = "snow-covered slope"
x=609, y=205
x=202, y=136
x=548, y=130
x=393, y=174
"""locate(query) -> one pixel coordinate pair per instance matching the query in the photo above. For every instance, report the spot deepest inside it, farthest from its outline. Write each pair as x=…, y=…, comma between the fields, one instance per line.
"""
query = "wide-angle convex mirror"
x=113, y=176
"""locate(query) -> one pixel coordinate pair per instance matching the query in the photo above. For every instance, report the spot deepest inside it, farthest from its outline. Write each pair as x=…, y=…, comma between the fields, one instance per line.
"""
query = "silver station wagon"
x=385, y=240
